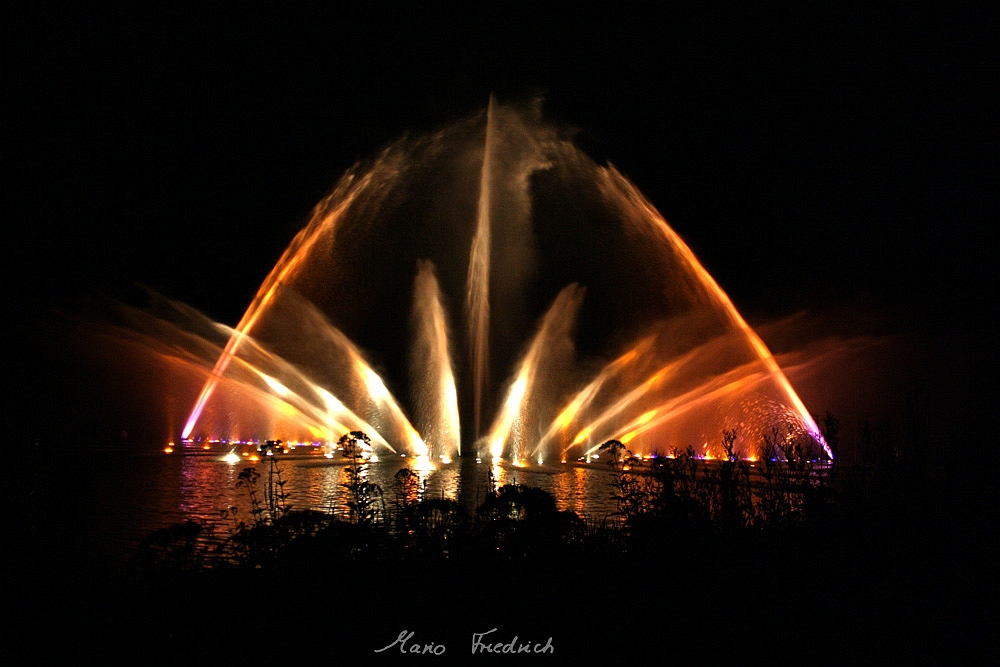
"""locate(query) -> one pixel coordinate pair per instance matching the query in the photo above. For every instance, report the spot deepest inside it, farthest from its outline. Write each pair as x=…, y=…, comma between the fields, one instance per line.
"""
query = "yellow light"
x=646, y=417
x=423, y=464
x=417, y=444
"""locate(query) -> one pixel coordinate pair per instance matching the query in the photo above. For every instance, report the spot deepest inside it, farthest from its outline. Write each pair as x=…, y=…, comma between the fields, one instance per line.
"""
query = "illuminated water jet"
x=550, y=346
x=501, y=216
x=478, y=281
x=435, y=397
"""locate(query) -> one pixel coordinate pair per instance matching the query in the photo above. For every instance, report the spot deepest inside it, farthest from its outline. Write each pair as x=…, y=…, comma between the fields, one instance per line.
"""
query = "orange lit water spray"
x=555, y=326
x=584, y=397
x=323, y=222
x=619, y=183
x=505, y=198
x=325, y=217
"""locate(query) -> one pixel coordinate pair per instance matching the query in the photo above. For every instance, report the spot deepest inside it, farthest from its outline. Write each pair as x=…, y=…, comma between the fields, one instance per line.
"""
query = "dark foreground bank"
x=920, y=582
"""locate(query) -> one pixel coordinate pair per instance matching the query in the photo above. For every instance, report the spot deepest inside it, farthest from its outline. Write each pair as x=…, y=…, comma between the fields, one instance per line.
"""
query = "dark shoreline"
x=867, y=593
x=913, y=575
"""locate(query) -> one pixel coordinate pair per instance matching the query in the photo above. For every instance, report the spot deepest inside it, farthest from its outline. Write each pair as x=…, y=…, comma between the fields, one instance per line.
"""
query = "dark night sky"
x=816, y=156
x=811, y=157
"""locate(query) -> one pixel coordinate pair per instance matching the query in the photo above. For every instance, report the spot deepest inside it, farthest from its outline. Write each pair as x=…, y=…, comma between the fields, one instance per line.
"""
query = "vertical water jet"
x=478, y=281
x=435, y=395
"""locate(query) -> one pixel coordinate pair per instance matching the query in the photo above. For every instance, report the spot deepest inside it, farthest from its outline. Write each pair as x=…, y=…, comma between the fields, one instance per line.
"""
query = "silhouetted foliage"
x=367, y=504
x=175, y=547
x=520, y=521
x=662, y=501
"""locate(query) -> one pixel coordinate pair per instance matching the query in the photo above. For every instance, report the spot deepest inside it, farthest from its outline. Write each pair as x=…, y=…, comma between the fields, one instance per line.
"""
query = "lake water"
x=107, y=502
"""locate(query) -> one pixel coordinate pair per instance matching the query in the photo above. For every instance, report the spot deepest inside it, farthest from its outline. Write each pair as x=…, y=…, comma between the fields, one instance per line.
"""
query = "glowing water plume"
x=311, y=405
x=653, y=218
x=587, y=394
x=477, y=299
x=651, y=384
x=734, y=382
x=324, y=219
x=383, y=399
x=472, y=206
x=326, y=413
x=326, y=421
x=552, y=338
x=294, y=396
x=625, y=402
x=511, y=410
x=436, y=397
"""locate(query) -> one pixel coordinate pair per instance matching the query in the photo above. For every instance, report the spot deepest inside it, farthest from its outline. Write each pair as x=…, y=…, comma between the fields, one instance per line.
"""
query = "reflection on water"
x=121, y=498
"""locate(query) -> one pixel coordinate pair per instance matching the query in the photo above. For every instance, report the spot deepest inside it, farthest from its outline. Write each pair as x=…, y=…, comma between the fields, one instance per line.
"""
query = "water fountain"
x=494, y=249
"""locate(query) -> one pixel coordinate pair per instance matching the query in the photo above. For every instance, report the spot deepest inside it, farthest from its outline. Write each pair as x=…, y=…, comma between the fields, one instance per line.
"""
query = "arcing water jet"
x=501, y=215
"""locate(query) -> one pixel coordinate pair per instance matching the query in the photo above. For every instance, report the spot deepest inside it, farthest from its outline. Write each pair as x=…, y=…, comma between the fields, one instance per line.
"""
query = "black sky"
x=811, y=157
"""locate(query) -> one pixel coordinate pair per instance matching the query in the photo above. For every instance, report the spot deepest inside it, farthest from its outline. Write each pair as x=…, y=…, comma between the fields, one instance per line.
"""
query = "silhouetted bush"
x=665, y=504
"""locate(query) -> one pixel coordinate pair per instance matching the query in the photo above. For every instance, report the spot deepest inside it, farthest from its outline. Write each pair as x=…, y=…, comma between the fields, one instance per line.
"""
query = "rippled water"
x=110, y=501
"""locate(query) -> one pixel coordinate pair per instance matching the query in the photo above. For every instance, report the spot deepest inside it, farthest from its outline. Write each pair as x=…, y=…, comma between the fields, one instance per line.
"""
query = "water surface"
x=107, y=502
